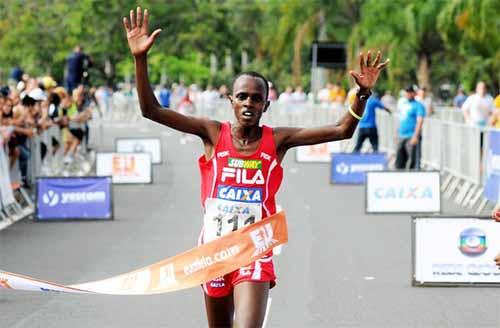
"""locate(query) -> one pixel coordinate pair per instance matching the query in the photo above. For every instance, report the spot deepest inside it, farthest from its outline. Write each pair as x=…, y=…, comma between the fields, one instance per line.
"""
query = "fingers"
x=368, y=58
x=145, y=22
x=139, y=17
x=377, y=59
x=361, y=61
x=384, y=64
x=132, y=20
x=126, y=25
x=155, y=34
x=355, y=76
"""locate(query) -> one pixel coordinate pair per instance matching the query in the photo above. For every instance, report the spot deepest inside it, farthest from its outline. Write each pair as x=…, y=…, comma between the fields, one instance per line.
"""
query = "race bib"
x=224, y=216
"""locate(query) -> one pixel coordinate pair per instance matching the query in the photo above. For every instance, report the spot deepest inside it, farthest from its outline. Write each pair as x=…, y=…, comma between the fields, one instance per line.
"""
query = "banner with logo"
x=403, y=192
x=140, y=145
x=455, y=251
x=189, y=269
x=125, y=167
x=74, y=198
x=350, y=168
x=320, y=153
x=492, y=185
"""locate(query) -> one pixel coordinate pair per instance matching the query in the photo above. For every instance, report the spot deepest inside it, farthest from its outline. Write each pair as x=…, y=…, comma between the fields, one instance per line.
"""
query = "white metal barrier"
x=448, y=144
x=10, y=209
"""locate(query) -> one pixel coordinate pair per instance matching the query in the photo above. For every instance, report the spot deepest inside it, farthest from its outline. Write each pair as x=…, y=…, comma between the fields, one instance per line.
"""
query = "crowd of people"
x=29, y=107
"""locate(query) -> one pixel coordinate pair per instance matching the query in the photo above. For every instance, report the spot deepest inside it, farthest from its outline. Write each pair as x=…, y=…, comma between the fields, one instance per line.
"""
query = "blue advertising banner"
x=350, y=168
x=492, y=185
x=74, y=198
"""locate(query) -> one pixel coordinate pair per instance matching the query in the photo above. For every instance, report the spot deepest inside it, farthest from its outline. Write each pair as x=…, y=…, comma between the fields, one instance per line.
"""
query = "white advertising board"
x=140, y=145
x=320, y=153
x=403, y=192
x=125, y=167
x=455, y=251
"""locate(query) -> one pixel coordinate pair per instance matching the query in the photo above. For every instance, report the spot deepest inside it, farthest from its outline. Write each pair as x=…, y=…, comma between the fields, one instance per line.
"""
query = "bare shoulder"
x=213, y=128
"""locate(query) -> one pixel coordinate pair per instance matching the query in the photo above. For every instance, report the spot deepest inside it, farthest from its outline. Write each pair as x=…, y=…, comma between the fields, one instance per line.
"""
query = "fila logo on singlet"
x=247, y=171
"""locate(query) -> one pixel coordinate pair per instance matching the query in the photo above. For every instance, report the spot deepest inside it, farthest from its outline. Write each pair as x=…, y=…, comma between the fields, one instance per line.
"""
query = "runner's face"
x=249, y=100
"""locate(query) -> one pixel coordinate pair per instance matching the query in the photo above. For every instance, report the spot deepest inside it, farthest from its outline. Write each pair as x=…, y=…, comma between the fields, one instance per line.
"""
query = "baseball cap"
x=37, y=94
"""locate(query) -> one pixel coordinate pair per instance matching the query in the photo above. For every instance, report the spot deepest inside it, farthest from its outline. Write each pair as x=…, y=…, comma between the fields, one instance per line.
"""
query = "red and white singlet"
x=238, y=190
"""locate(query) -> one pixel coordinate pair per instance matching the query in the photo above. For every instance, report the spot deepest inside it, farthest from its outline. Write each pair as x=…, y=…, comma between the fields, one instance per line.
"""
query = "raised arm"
x=140, y=42
x=287, y=138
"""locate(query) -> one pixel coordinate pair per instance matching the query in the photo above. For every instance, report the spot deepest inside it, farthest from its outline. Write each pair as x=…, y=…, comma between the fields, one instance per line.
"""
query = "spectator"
x=459, y=99
x=209, y=100
x=186, y=107
x=426, y=100
x=411, y=118
x=337, y=94
x=368, y=125
x=77, y=65
x=286, y=96
x=324, y=94
x=299, y=95
x=495, y=117
x=223, y=92
x=388, y=100
x=478, y=107
x=16, y=74
x=77, y=115
x=24, y=128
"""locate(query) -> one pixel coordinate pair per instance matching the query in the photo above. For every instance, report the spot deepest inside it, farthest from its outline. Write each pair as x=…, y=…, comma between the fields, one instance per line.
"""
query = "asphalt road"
x=341, y=268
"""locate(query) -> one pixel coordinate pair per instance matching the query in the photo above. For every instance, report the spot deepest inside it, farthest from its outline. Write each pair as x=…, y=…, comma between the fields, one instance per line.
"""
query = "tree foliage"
x=431, y=42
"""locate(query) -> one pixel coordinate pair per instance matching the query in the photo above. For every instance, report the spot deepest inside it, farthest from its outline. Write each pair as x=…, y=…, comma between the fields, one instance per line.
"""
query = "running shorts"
x=259, y=271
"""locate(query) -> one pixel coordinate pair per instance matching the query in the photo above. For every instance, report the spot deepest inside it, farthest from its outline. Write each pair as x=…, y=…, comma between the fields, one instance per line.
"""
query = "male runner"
x=241, y=168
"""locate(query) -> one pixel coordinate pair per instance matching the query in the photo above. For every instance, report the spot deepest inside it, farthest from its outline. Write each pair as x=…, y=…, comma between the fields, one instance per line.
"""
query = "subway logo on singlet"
x=244, y=163
x=247, y=195
x=246, y=171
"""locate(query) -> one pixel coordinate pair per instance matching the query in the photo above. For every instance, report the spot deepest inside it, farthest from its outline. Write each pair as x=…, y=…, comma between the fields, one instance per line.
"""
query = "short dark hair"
x=257, y=76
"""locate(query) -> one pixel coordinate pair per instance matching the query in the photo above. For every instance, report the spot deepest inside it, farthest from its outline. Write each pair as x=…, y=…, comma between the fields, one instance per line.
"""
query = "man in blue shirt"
x=411, y=120
x=77, y=65
x=368, y=125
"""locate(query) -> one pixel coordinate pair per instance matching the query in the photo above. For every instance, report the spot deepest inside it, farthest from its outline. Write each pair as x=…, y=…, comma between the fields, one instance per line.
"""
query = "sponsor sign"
x=125, y=167
x=347, y=168
x=455, y=250
x=74, y=198
x=403, y=192
x=140, y=145
x=492, y=185
x=204, y=263
x=321, y=153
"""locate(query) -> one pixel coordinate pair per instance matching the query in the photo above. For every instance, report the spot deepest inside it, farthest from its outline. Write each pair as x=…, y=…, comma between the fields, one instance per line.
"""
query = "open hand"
x=137, y=32
x=368, y=71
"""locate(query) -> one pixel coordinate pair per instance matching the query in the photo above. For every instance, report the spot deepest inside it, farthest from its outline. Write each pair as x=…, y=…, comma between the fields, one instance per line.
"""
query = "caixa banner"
x=350, y=168
x=455, y=251
x=74, y=198
x=403, y=192
x=492, y=185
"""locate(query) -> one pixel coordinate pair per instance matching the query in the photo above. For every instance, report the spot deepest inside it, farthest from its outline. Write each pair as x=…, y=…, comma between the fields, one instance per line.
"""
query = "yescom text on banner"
x=191, y=268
